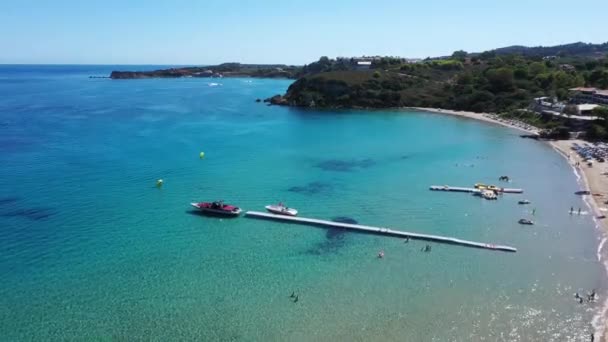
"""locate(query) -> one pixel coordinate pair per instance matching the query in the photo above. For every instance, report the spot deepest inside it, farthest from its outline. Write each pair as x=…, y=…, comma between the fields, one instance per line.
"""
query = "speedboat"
x=281, y=209
x=525, y=221
x=523, y=202
x=217, y=207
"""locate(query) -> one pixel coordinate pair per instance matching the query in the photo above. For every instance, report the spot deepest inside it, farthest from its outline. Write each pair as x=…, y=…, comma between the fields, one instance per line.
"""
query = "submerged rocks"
x=345, y=165
x=345, y=219
x=311, y=188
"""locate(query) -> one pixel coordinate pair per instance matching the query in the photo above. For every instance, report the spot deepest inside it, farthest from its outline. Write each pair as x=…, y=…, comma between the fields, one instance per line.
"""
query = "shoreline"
x=486, y=117
x=594, y=179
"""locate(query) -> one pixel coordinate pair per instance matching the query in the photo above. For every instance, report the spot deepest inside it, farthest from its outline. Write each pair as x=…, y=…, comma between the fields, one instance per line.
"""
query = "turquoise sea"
x=90, y=249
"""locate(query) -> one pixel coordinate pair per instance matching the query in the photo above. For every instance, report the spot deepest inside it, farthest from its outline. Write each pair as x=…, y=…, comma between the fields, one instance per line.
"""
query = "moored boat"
x=217, y=207
x=525, y=221
x=489, y=194
x=281, y=209
x=525, y=201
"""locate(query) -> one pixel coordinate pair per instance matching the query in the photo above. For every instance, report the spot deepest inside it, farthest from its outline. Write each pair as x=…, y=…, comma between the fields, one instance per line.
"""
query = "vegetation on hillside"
x=223, y=70
x=486, y=82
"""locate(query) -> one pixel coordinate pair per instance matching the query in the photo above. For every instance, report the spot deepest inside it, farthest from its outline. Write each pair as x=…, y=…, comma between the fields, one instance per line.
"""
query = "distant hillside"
x=222, y=70
x=573, y=49
x=488, y=82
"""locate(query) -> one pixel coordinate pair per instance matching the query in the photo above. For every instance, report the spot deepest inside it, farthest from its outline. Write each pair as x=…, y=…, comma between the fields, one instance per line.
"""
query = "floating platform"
x=471, y=190
x=381, y=231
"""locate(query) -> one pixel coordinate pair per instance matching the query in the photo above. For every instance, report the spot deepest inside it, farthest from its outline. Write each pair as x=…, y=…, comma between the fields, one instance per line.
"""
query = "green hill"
x=487, y=82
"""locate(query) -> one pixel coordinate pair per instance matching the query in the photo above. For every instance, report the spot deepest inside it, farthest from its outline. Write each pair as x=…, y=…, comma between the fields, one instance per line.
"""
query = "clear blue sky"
x=285, y=31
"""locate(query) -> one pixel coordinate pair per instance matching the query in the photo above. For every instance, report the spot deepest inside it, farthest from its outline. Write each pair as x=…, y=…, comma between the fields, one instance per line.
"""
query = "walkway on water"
x=381, y=231
x=462, y=189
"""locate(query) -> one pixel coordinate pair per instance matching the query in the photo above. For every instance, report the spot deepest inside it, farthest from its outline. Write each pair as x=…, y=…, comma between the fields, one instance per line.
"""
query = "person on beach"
x=591, y=296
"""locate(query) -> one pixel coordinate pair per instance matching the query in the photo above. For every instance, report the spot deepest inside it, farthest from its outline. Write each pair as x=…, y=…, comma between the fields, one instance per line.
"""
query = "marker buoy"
x=202, y=155
x=159, y=183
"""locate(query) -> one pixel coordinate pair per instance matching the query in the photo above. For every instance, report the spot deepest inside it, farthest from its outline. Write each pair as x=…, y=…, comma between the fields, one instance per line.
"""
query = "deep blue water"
x=91, y=249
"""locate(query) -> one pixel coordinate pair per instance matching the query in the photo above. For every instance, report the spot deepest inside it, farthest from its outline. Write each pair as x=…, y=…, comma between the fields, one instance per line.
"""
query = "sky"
x=186, y=32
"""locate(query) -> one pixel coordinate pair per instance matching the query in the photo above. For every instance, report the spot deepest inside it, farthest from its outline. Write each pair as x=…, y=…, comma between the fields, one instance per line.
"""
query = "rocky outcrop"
x=277, y=100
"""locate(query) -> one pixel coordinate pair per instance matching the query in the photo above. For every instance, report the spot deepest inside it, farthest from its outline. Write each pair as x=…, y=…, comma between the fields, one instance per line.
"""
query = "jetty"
x=380, y=231
x=471, y=190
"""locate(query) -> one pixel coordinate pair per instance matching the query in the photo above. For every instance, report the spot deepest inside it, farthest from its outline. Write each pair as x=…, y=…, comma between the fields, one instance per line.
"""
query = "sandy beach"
x=491, y=118
x=595, y=178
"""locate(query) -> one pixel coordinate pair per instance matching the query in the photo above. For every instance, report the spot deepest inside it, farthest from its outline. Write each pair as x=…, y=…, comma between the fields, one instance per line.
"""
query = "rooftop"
x=591, y=90
x=586, y=106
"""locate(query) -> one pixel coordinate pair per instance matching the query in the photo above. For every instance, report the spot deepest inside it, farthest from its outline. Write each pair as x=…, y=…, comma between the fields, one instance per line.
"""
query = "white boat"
x=489, y=194
x=281, y=210
x=524, y=202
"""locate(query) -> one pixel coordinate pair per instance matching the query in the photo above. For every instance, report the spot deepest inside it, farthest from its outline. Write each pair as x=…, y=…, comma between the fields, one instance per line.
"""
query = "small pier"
x=381, y=231
x=471, y=190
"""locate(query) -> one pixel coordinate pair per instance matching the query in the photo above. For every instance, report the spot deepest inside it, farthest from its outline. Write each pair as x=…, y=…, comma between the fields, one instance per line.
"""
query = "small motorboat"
x=489, y=194
x=525, y=201
x=217, y=207
x=281, y=209
x=525, y=221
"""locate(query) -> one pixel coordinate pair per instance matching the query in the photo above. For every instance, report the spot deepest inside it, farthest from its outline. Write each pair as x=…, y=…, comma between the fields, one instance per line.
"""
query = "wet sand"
x=491, y=118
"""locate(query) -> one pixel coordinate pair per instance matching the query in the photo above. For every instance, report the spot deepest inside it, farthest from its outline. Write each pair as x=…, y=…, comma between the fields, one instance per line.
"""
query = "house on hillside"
x=585, y=109
x=589, y=95
x=567, y=67
x=363, y=65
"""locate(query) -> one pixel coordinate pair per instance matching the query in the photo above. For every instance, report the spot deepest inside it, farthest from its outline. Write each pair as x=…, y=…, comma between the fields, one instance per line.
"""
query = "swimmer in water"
x=381, y=254
x=293, y=294
x=296, y=300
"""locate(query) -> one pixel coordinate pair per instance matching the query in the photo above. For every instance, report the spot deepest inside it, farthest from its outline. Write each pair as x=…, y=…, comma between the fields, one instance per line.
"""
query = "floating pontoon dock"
x=461, y=189
x=381, y=231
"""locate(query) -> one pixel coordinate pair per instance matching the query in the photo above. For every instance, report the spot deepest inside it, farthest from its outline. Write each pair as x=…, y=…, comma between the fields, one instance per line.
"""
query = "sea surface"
x=91, y=249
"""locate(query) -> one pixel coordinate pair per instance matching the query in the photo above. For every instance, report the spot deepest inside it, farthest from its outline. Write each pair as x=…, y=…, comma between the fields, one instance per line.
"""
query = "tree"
x=501, y=79
x=537, y=68
x=601, y=111
x=460, y=55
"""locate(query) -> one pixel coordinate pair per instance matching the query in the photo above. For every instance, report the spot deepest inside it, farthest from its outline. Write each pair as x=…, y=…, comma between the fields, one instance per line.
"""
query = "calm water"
x=90, y=249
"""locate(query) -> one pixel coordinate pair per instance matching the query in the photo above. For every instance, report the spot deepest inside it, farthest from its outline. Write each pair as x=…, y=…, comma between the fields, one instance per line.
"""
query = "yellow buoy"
x=159, y=183
x=202, y=155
